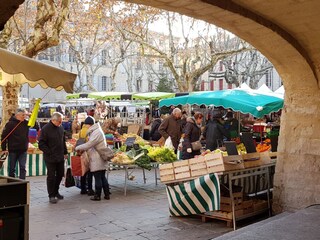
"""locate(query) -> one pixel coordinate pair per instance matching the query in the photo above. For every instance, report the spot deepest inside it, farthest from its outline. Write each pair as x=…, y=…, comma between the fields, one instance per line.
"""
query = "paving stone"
x=142, y=214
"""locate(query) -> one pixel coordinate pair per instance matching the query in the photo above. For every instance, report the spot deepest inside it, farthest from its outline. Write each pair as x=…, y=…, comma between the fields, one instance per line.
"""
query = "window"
x=212, y=85
x=220, y=84
x=138, y=64
x=52, y=53
x=269, y=78
x=103, y=83
x=104, y=57
x=71, y=55
x=160, y=66
x=202, y=86
x=220, y=66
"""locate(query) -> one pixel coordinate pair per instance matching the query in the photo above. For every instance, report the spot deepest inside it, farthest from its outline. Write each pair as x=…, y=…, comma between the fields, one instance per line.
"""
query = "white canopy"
x=264, y=89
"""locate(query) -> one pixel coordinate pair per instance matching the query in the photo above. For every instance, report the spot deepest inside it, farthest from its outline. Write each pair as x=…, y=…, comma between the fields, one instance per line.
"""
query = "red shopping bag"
x=76, y=166
x=79, y=164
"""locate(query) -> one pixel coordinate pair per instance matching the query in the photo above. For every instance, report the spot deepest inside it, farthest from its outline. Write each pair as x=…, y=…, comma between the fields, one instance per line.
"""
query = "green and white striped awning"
x=35, y=166
x=195, y=196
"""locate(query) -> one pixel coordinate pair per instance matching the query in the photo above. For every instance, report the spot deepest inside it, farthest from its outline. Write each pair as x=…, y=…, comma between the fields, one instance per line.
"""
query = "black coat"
x=154, y=132
x=18, y=140
x=192, y=133
x=214, y=132
x=52, y=142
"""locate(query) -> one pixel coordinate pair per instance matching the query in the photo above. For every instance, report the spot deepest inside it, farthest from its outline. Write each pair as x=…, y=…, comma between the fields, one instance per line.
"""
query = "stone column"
x=297, y=178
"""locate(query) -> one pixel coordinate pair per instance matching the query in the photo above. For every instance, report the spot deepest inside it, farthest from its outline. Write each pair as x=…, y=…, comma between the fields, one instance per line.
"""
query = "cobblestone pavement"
x=142, y=214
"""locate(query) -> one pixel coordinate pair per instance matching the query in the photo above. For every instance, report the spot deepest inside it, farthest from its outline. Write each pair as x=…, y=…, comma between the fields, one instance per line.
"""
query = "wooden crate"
x=259, y=205
x=181, y=169
x=216, y=162
x=166, y=172
x=198, y=166
x=247, y=206
x=252, y=160
x=265, y=158
x=225, y=202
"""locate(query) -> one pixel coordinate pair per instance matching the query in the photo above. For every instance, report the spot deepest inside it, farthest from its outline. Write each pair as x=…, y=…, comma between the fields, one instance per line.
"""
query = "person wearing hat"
x=96, y=142
x=214, y=131
x=86, y=179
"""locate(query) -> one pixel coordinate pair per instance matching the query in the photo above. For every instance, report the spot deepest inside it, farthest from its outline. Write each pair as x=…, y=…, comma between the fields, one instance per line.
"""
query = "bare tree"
x=186, y=56
x=246, y=67
x=30, y=35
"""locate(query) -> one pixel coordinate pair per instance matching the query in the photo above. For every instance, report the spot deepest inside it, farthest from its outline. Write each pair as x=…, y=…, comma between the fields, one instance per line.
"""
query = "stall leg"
x=232, y=202
x=144, y=176
x=156, y=175
x=126, y=176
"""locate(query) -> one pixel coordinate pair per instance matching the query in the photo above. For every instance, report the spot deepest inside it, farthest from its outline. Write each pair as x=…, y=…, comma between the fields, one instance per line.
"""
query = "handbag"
x=105, y=153
x=196, y=146
x=69, y=181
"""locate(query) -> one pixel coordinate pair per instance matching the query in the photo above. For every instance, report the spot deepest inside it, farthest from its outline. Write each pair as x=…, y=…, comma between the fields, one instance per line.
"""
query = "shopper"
x=192, y=134
x=15, y=142
x=97, y=165
x=52, y=143
x=110, y=126
x=154, y=132
x=170, y=127
x=214, y=131
x=86, y=179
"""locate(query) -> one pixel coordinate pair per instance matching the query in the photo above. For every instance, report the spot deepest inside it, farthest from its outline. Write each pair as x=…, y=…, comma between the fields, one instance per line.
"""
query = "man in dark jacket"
x=214, y=131
x=170, y=127
x=15, y=134
x=52, y=143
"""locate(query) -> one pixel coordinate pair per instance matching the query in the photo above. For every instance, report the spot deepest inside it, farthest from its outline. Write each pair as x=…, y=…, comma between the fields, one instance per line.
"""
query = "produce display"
x=143, y=155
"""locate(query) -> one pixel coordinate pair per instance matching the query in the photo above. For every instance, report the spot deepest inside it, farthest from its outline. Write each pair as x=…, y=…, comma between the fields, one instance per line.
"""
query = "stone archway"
x=288, y=33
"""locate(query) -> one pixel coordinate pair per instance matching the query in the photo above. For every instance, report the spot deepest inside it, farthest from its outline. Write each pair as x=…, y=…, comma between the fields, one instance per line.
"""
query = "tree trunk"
x=10, y=94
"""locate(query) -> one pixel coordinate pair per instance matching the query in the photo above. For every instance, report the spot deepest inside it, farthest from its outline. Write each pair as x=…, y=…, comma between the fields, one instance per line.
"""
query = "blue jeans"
x=15, y=157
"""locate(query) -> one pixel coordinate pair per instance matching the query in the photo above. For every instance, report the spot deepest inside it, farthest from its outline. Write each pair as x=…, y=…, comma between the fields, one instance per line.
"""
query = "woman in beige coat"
x=97, y=165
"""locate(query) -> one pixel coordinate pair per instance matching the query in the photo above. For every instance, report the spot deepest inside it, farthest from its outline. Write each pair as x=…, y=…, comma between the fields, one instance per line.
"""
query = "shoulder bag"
x=105, y=153
x=196, y=146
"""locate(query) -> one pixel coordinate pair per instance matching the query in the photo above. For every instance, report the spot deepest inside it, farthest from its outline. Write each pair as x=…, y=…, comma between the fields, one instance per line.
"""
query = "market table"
x=35, y=165
x=128, y=169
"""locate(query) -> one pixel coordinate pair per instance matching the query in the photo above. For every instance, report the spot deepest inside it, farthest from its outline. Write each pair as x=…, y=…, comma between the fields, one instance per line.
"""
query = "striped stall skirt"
x=195, y=196
x=35, y=166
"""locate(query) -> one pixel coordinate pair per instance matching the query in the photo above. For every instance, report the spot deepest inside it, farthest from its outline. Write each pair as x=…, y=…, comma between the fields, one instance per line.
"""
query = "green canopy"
x=77, y=95
x=152, y=96
x=107, y=95
x=245, y=101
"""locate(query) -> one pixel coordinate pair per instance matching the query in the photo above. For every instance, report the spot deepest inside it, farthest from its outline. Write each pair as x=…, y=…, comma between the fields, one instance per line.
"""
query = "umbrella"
x=245, y=101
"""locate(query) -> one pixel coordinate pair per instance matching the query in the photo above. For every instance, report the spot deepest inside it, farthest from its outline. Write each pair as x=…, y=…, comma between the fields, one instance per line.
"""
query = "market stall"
x=245, y=184
x=244, y=101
